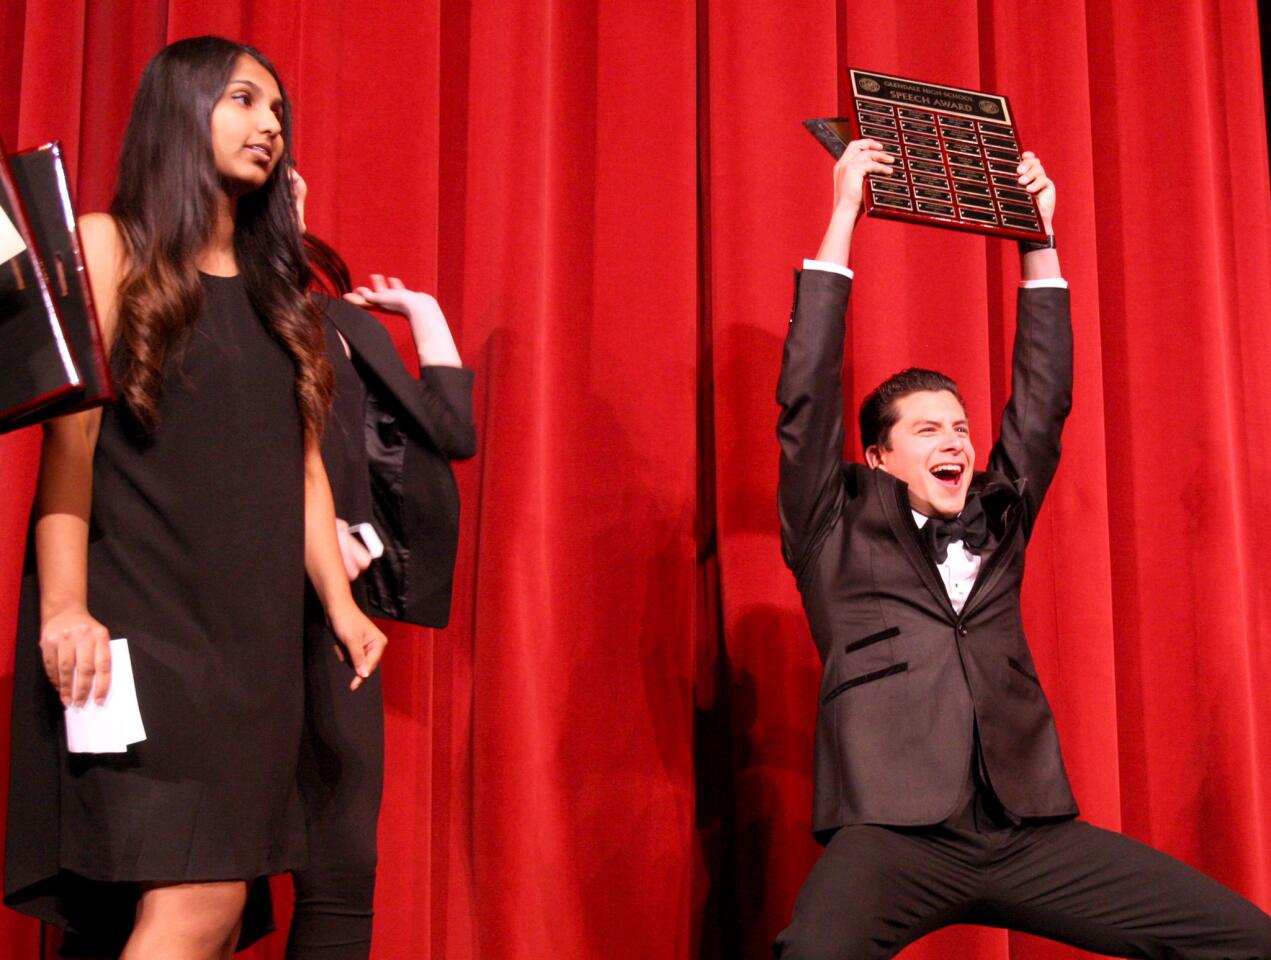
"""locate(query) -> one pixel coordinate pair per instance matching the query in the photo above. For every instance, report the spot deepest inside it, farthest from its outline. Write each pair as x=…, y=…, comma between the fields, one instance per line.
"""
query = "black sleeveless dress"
x=196, y=556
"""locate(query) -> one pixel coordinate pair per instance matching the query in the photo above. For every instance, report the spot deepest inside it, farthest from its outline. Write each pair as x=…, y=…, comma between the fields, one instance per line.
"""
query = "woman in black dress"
x=184, y=518
x=387, y=451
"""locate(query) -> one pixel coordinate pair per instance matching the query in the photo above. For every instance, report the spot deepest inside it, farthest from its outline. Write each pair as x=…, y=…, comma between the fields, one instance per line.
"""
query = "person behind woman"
x=183, y=519
x=387, y=450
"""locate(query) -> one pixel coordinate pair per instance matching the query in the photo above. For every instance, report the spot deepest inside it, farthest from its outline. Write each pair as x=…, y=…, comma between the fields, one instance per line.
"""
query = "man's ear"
x=872, y=456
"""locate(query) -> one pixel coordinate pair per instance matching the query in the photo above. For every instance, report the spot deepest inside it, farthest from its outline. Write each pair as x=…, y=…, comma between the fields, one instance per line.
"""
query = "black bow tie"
x=971, y=526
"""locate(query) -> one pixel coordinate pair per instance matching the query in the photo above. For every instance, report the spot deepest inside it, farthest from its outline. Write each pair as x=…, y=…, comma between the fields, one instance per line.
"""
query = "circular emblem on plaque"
x=990, y=107
x=870, y=85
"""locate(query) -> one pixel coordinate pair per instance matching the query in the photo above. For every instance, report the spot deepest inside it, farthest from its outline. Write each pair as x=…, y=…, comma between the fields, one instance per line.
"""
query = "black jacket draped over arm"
x=413, y=429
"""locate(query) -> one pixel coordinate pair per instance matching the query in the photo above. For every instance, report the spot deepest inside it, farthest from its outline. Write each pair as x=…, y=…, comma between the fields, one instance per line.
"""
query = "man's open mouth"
x=949, y=474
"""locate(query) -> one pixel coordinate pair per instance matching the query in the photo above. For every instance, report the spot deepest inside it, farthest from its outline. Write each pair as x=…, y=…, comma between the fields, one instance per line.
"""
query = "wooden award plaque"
x=957, y=153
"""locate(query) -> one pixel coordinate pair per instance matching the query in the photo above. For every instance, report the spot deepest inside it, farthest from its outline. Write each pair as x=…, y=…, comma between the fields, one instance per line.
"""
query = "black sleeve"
x=1027, y=450
x=438, y=404
x=445, y=394
x=810, y=427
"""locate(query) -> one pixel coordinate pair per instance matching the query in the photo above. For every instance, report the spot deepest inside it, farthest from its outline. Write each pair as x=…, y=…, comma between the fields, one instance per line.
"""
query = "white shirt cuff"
x=828, y=267
x=1058, y=283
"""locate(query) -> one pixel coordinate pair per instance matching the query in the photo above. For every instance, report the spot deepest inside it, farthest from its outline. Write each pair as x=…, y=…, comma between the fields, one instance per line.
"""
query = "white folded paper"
x=11, y=242
x=108, y=727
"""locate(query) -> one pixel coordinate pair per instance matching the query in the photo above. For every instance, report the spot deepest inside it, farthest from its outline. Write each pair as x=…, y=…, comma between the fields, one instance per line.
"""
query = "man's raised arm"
x=810, y=390
x=1028, y=446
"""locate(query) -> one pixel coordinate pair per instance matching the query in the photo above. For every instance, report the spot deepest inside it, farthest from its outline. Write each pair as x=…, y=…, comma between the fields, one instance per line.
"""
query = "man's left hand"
x=1032, y=177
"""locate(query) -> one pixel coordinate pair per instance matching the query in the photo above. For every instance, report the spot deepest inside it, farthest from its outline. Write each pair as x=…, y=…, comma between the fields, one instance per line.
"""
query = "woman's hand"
x=428, y=325
x=356, y=557
x=392, y=295
x=299, y=191
x=76, y=649
x=360, y=641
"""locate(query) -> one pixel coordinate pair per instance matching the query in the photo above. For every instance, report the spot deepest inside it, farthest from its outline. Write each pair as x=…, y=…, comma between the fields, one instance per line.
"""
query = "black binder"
x=39, y=177
x=36, y=367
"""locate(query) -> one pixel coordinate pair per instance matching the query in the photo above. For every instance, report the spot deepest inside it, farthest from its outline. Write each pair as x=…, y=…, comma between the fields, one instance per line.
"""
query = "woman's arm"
x=74, y=646
x=361, y=639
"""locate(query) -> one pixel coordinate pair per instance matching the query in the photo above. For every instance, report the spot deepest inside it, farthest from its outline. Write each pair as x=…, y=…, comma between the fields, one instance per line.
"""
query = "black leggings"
x=341, y=782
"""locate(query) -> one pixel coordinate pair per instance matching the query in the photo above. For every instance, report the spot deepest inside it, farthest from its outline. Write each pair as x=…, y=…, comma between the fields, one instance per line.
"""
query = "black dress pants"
x=877, y=889
x=341, y=783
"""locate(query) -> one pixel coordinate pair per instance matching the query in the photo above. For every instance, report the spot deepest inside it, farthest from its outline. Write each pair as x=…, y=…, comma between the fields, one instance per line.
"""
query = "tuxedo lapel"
x=1001, y=500
x=894, y=496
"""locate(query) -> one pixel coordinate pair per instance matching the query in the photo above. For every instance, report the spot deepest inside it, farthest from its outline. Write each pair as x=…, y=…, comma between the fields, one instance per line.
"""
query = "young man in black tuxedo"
x=940, y=791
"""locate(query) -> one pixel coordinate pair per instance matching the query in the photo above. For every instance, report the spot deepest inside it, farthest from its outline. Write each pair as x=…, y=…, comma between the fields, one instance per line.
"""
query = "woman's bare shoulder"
x=100, y=236
x=104, y=257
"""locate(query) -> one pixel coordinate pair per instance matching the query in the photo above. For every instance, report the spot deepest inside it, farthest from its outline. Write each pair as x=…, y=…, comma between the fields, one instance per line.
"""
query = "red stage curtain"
x=608, y=752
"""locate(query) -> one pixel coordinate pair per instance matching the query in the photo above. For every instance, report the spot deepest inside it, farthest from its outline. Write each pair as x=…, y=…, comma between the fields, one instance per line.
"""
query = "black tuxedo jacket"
x=413, y=429
x=906, y=682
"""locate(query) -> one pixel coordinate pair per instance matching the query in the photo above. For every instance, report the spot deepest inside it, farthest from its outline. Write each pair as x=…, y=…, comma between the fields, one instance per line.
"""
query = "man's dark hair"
x=878, y=410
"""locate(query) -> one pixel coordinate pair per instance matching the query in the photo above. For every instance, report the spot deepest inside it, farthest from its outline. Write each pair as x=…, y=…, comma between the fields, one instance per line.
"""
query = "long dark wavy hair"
x=166, y=205
x=330, y=273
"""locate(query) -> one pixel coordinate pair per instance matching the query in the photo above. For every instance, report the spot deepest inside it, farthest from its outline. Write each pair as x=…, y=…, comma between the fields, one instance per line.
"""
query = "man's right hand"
x=861, y=157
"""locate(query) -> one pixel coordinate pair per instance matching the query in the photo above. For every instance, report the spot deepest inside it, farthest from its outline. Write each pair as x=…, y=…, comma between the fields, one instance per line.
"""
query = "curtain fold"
x=608, y=751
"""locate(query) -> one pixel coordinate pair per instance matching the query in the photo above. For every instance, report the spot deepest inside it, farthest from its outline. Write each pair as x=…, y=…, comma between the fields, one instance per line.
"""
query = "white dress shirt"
x=958, y=570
